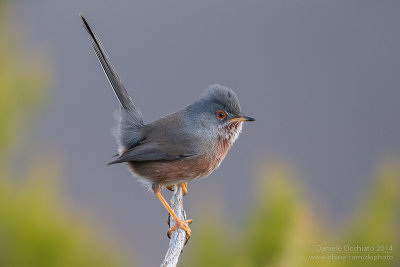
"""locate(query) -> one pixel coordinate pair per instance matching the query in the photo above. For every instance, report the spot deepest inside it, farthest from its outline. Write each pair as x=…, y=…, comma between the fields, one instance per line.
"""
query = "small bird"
x=185, y=145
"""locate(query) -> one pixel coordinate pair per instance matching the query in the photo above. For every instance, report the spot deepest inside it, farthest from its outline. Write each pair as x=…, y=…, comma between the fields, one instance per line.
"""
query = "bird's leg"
x=182, y=185
x=184, y=192
x=178, y=222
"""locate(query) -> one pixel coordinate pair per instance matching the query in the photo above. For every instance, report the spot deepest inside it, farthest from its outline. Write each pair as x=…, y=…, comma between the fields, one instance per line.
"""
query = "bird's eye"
x=221, y=114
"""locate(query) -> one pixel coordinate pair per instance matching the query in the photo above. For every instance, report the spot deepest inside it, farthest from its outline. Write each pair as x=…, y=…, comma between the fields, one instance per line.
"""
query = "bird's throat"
x=229, y=134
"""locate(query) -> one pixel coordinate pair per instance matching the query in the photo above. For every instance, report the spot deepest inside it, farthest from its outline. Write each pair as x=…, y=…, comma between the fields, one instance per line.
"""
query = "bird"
x=177, y=148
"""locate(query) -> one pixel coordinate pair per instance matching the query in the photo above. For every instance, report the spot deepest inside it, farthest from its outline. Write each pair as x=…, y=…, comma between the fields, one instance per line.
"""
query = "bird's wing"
x=165, y=139
x=151, y=152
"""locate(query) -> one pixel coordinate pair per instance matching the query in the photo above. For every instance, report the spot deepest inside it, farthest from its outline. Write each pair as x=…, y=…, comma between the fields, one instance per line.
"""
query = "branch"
x=178, y=236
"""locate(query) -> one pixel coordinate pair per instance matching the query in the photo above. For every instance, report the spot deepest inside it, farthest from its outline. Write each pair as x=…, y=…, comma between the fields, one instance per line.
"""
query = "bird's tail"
x=131, y=119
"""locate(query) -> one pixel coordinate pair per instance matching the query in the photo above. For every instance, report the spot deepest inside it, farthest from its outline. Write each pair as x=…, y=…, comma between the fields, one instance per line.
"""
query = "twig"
x=178, y=236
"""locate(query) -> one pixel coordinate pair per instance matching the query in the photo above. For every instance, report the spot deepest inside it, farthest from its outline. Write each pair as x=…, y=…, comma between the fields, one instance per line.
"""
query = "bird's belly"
x=176, y=171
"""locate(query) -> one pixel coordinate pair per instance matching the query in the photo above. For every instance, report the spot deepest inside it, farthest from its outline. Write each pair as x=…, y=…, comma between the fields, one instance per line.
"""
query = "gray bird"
x=179, y=147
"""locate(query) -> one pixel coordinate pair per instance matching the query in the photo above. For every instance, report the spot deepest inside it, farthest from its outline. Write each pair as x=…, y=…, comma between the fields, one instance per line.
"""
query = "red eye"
x=221, y=114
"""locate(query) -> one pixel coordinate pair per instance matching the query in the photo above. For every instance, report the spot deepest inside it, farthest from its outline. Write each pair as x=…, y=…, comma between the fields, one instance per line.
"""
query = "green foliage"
x=282, y=230
x=377, y=220
x=35, y=228
x=21, y=87
x=210, y=244
x=269, y=225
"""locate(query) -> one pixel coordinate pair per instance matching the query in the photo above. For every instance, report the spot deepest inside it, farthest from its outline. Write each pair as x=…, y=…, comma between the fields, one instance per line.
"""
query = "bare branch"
x=178, y=237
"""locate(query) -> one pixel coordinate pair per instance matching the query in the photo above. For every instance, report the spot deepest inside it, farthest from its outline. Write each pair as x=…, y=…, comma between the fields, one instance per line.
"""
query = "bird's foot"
x=183, y=225
x=182, y=185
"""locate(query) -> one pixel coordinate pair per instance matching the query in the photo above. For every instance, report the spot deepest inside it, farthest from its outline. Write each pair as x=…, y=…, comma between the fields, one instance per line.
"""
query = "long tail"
x=116, y=84
x=131, y=121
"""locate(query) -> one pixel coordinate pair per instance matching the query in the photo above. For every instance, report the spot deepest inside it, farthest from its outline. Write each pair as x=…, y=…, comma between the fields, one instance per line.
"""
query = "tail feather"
x=131, y=119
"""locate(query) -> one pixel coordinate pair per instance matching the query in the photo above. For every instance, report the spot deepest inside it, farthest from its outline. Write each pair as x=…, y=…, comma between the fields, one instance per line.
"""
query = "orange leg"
x=182, y=185
x=178, y=222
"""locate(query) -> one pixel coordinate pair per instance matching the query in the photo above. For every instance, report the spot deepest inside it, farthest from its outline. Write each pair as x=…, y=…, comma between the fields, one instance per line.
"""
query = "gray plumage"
x=187, y=133
x=177, y=148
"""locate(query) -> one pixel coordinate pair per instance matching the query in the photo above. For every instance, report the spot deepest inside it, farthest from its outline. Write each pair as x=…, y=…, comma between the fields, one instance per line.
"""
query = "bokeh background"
x=319, y=166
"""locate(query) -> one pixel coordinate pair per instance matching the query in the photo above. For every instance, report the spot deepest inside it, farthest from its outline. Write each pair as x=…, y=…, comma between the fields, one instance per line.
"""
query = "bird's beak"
x=242, y=118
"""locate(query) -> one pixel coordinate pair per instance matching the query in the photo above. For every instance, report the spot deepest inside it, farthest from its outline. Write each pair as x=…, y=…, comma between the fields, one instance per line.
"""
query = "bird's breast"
x=183, y=170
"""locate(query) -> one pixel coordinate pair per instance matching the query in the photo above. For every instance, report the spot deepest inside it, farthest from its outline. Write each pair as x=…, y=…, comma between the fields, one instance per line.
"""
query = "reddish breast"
x=177, y=171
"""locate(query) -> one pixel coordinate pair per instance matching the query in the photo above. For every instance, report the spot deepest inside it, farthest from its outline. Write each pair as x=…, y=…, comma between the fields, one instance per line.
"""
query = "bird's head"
x=218, y=111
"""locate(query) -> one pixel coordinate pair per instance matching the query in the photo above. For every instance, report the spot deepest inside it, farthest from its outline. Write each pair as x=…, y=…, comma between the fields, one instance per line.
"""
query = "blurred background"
x=320, y=166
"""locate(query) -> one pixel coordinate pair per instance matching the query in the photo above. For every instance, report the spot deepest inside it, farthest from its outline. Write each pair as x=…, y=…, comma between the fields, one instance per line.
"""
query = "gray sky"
x=321, y=78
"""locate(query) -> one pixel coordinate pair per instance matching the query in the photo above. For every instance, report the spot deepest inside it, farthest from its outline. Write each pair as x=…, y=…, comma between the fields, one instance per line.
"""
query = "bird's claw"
x=183, y=225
